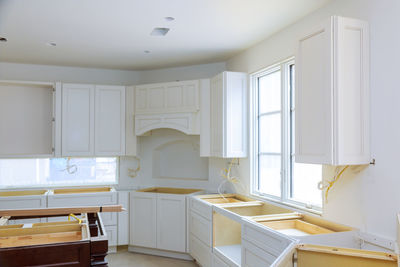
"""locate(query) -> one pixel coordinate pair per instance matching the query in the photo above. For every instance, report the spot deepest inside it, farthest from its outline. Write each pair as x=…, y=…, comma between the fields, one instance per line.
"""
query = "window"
x=274, y=171
x=24, y=173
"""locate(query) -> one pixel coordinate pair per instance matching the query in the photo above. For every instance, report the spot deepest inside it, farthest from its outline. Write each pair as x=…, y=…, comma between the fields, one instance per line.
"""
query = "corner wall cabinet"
x=229, y=115
x=332, y=94
x=93, y=120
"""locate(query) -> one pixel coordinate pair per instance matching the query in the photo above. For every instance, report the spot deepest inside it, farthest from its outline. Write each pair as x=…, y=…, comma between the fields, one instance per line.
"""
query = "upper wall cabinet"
x=27, y=119
x=332, y=94
x=229, y=115
x=78, y=119
x=93, y=120
x=174, y=105
x=109, y=120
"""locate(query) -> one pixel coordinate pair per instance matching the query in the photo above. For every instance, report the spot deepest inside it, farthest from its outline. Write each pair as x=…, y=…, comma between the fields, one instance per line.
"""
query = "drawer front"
x=218, y=262
x=201, y=208
x=201, y=228
x=200, y=252
x=22, y=202
x=265, y=239
x=252, y=256
x=112, y=235
x=93, y=199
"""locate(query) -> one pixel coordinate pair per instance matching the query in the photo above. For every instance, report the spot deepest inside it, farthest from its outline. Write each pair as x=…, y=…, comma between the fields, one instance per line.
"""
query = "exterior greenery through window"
x=275, y=175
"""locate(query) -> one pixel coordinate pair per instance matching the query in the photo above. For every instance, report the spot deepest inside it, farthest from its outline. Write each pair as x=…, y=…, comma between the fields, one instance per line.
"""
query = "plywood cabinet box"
x=93, y=120
x=332, y=94
x=158, y=220
x=228, y=111
x=76, y=197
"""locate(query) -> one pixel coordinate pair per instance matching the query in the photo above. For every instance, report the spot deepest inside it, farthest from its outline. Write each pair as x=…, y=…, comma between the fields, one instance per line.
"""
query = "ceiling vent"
x=159, y=31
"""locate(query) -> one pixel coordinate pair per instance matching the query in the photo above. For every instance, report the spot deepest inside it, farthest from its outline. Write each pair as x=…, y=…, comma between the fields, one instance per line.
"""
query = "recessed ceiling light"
x=147, y=51
x=51, y=44
x=169, y=18
x=3, y=39
x=159, y=31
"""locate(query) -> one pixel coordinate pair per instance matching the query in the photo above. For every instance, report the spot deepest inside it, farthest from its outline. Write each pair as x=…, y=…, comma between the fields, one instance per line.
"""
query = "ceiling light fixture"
x=3, y=39
x=146, y=51
x=159, y=32
x=169, y=18
x=52, y=44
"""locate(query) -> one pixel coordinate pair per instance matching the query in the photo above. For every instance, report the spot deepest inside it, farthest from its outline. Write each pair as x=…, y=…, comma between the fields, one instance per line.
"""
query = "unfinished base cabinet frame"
x=81, y=242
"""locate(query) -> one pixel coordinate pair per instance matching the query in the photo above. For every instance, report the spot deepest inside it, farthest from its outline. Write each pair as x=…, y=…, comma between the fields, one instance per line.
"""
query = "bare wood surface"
x=61, y=211
x=320, y=251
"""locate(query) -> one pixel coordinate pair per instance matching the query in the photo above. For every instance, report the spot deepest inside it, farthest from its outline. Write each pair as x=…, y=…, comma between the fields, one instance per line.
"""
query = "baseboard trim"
x=162, y=253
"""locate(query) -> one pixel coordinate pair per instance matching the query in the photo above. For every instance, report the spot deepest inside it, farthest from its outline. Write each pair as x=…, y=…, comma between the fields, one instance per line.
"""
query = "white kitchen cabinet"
x=93, y=120
x=200, y=252
x=229, y=115
x=28, y=199
x=218, y=262
x=78, y=119
x=332, y=94
x=109, y=120
x=27, y=119
x=171, y=97
x=130, y=136
x=171, y=222
x=174, y=105
x=143, y=219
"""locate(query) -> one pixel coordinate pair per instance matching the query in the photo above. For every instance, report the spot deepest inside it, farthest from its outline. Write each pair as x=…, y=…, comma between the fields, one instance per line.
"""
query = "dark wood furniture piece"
x=69, y=243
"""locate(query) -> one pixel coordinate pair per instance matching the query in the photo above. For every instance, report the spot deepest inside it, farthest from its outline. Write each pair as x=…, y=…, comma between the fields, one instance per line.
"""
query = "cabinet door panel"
x=313, y=97
x=78, y=120
x=110, y=121
x=143, y=217
x=171, y=222
x=217, y=107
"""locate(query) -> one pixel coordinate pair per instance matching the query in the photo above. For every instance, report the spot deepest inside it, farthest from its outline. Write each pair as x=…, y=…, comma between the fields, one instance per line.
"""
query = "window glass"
x=270, y=175
x=270, y=92
x=295, y=183
x=57, y=172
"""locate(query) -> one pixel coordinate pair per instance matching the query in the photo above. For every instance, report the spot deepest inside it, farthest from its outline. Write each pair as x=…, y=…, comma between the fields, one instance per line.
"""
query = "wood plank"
x=39, y=230
x=61, y=211
x=82, y=190
x=359, y=253
x=276, y=217
x=40, y=239
x=303, y=226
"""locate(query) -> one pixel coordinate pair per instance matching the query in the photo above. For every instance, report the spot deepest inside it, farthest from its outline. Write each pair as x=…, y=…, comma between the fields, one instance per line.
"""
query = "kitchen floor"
x=127, y=259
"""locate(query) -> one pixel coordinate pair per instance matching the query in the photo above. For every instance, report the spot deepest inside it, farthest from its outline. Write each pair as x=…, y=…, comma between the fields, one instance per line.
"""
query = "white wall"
x=368, y=199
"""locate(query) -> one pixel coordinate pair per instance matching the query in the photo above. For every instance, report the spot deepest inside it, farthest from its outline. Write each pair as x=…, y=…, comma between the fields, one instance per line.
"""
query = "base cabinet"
x=143, y=220
x=200, y=252
x=158, y=221
x=218, y=262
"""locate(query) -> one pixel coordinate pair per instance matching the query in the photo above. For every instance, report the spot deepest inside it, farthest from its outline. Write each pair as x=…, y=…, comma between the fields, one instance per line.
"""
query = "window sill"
x=290, y=205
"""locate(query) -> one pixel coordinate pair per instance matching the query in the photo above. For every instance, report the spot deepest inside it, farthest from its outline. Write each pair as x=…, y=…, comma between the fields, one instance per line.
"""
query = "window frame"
x=61, y=185
x=286, y=137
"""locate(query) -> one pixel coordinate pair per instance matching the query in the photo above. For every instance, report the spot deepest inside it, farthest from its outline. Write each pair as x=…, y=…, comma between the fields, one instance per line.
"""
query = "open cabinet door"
x=398, y=238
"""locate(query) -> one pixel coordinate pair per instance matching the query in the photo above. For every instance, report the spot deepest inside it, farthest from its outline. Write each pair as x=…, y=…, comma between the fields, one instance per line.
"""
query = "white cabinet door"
x=173, y=97
x=229, y=115
x=217, y=116
x=171, y=222
x=143, y=219
x=332, y=94
x=110, y=120
x=77, y=120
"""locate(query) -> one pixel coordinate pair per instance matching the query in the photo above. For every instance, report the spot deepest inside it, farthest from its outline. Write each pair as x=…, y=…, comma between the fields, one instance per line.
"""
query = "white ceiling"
x=115, y=33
